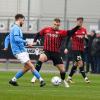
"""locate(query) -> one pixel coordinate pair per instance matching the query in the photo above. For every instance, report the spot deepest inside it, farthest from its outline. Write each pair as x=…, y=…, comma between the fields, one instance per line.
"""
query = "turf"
x=27, y=91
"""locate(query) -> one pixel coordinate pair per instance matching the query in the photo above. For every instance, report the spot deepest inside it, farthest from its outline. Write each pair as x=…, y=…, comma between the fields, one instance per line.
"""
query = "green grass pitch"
x=27, y=91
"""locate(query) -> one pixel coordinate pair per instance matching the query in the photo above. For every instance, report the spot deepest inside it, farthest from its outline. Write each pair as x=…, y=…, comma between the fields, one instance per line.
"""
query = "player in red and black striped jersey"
x=78, y=51
x=53, y=37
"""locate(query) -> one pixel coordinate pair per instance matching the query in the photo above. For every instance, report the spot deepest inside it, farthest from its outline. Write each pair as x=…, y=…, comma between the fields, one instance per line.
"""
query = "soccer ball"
x=56, y=80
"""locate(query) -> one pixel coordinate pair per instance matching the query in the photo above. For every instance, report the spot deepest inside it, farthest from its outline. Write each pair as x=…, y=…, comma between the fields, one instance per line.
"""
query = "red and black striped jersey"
x=52, y=38
x=78, y=39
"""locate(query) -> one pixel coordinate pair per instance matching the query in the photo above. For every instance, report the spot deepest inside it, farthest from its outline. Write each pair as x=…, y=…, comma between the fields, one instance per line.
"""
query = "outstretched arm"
x=6, y=42
x=71, y=32
x=17, y=36
x=37, y=36
x=18, y=39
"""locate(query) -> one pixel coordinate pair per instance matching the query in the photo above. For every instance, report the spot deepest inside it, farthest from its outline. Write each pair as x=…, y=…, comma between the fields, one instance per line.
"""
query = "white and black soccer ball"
x=56, y=80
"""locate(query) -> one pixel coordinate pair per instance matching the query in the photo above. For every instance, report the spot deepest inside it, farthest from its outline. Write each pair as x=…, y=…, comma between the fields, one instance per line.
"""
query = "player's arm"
x=72, y=32
x=6, y=42
x=39, y=34
x=98, y=35
x=66, y=45
x=17, y=36
x=69, y=34
x=19, y=39
x=86, y=34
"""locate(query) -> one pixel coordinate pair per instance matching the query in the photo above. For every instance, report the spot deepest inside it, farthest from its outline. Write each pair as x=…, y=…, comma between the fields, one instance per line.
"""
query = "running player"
x=77, y=51
x=19, y=51
x=53, y=37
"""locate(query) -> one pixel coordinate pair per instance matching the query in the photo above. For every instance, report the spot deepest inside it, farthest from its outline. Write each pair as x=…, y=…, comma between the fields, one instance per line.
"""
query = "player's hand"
x=30, y=45
x=34, y=43
x=66, y=51
x=97, y=35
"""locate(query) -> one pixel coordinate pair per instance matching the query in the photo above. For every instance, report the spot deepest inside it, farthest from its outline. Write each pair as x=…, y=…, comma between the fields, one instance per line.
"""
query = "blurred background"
x=40, y=13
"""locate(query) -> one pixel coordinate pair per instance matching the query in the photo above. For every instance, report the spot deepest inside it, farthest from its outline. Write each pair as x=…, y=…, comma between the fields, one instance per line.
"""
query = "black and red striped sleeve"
x=39, y=34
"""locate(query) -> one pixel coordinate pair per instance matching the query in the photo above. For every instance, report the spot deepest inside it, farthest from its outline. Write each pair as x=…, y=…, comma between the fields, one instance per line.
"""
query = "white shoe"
x=69, y=80
x=33, y=79
x=66, y=84
x=87, y=80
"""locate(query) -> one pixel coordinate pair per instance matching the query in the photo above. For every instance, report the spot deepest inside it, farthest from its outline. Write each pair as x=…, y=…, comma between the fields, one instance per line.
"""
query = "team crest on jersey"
x=83, y=32
x=56, y=32
x=47, y=31
x=80, y=36
x=52, y=35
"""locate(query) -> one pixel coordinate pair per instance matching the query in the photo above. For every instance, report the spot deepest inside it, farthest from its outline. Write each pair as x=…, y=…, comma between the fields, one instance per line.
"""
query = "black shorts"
x=55, y=57
x=77, y=56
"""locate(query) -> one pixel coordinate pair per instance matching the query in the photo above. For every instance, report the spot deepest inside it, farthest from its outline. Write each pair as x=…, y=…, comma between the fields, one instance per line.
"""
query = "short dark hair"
x=80, y=18
x=57, y=20
x=19, y=16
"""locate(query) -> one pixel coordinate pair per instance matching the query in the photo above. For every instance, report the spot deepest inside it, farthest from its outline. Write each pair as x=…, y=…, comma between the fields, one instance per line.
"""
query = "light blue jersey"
x=7, y=41
x=16, y=40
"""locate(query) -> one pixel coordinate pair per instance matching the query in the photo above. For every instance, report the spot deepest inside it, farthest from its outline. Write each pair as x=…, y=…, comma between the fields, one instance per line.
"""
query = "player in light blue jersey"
x=19, y=51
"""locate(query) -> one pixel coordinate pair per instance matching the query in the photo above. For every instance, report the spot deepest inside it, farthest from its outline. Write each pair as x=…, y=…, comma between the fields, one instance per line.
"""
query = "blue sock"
x=19, y=74
x=36, y=73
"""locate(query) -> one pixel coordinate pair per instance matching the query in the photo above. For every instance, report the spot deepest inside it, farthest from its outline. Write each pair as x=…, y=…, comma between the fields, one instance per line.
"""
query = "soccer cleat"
x=66, y=84
x=42, y=83
x=33, y=79
x=14, y=83
x=70, y=81
x=87, y=80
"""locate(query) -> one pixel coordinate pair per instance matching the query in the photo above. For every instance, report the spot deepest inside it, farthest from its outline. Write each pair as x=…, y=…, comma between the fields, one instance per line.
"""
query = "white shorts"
x=23, y=57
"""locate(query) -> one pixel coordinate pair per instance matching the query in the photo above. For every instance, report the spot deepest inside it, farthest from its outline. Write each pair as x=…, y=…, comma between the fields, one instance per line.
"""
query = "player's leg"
x=57, y=60
x=74, y=67
x=38, y=67
x=61, y=68
x=18, y=75
x=36, y=73
x=82, y=71
x=24, y=58
x=67, y=64
x=73, y=70
x=42, y=59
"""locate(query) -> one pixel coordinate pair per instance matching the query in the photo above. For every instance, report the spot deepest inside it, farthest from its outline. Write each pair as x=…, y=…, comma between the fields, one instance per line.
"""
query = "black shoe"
x=42, y=83
x=13, y=83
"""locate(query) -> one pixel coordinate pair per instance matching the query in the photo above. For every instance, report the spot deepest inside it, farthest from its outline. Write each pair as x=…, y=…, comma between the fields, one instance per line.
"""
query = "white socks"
x=34, y=79
x=40, y=79
x=14, y=79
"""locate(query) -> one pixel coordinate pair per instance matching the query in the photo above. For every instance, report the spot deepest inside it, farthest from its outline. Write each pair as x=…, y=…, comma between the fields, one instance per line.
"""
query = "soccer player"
x=19, y=51
x=53, y=37
x=77, y=51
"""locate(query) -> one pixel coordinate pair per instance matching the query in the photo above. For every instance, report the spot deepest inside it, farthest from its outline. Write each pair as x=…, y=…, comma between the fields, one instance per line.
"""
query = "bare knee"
x=29, y=65
x=61, y=67
x=80, y=63
x=43, y=58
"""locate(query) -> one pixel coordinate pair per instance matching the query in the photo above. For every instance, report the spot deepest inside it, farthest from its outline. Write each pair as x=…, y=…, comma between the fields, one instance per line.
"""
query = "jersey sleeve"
x=64, y=33
x=16, y=31
x=42, y=32
x=7, y=41
x=39, y=34
x=72, y=31
x=85, y=32
x=17, y=36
